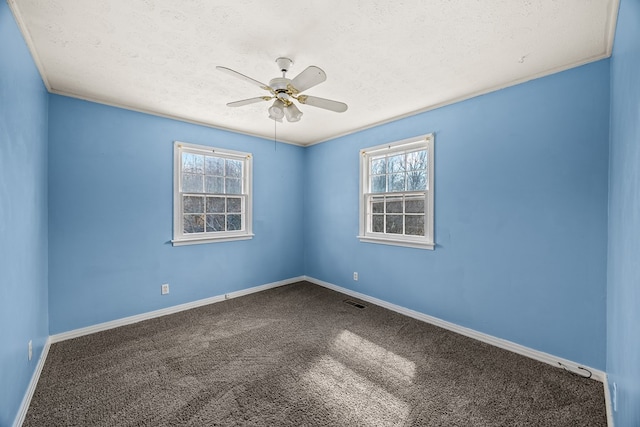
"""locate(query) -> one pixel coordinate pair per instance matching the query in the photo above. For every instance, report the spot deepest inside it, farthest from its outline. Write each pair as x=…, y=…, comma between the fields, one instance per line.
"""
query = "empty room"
x=323, y=213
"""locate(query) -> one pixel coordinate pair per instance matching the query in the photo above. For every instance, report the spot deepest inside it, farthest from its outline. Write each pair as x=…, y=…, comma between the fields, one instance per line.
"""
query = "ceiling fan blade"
x=308, y=78
x=249, y=101
x=243, y=77
x=327, y=104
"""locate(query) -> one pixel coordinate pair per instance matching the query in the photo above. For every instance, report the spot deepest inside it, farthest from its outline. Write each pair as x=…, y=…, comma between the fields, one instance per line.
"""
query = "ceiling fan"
x=285, y=91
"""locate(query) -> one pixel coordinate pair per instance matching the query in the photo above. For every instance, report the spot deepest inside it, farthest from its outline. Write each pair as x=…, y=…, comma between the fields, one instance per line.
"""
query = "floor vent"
x=354, y=303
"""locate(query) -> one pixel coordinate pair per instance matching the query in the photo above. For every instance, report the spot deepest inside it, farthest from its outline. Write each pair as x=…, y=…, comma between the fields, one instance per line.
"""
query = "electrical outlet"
x=164, y=289
x=355, y=276
x=614, y=398
x=30, y=349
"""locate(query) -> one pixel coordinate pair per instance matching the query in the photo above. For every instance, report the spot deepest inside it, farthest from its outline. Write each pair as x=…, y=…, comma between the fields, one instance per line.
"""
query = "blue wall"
x=23, y=216
x=520, y=215
x=110, y=216
x=623, y=296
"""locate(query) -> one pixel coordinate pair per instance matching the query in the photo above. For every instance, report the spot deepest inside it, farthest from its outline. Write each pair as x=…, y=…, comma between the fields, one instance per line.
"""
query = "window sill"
x=203, y=240
x=398, y=242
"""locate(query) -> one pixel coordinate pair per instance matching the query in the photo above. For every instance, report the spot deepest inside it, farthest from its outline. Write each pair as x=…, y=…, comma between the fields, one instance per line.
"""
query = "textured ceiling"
x=384, y=59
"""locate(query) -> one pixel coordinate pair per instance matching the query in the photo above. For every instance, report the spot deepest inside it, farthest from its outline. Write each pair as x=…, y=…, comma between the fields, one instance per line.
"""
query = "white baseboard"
x=26, y=400
x=165, y=311
x=541, y=356
x=607, y=401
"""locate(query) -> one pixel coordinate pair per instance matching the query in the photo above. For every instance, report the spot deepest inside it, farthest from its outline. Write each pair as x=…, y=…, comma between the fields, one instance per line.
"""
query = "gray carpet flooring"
x=299, y=356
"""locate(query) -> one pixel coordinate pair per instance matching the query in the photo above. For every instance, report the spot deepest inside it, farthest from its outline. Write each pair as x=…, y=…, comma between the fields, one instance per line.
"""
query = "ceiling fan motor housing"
x=279, y=84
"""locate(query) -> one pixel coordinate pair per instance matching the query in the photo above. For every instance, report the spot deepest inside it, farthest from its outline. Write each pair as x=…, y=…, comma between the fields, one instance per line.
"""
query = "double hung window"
x=396, y=193
x=212, y=195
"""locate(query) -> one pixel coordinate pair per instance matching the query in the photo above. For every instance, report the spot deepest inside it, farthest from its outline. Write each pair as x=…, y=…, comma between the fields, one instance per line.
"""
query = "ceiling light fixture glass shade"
x=292, y=113
x=276, y=111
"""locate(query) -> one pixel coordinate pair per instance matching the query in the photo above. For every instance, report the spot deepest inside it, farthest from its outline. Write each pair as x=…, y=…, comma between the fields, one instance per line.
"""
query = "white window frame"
x=179, y=237
x=365, y=233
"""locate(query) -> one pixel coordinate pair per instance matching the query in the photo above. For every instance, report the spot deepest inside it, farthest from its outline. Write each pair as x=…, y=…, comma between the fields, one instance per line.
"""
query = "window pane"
x=394, y=205
x=414, y=225
x=377, y=224
x=193, y=204
x=215, y=223
x=378, y=166
x=214, y=184
x=416, y=180
x=214, y=166
x=234, y=222
x=234, y=168
x=234, y=204
x=193, y=223
x=215, y=204
x=414, y=205
x=191, y=183
x=377, y=205
x=396, y=182
x=379, y=184
x=192, y=163
x=396, y=163
x=417, y=160
x=233, y=186
x=394, y=224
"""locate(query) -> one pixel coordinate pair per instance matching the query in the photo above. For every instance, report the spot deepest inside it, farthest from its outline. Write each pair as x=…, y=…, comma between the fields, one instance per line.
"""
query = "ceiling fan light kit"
x=285, y=91
x=292, y=113
x=276, y=111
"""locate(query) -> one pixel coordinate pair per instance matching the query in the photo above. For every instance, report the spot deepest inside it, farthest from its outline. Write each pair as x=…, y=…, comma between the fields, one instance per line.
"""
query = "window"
x=396, y=193
x=212, y=195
